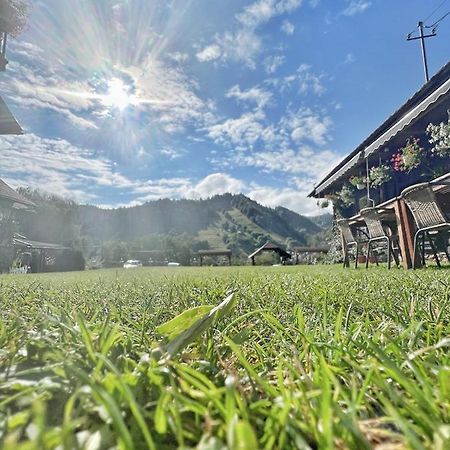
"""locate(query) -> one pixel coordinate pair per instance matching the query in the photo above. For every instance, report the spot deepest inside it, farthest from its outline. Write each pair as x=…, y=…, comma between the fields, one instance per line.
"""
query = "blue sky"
x=125, y=101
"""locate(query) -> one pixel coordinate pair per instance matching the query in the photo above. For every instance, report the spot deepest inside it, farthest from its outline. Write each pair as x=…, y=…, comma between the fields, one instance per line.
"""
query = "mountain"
x=323, y=220
x=222, y=221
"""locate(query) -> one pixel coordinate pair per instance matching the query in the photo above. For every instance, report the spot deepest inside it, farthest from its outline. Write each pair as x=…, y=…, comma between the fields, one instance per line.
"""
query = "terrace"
x=410, y=147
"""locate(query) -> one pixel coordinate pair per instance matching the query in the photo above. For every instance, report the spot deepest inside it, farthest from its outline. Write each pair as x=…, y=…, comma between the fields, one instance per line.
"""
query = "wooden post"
x=229, y=260
x=405, y=226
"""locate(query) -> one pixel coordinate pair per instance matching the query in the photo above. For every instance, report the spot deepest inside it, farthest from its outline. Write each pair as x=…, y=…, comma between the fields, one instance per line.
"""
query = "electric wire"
x=414, y=30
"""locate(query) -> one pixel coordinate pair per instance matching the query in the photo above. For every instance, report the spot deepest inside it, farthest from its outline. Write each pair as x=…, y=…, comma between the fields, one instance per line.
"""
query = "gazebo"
x=270, y=247
x=398, y=154
x=212, y=253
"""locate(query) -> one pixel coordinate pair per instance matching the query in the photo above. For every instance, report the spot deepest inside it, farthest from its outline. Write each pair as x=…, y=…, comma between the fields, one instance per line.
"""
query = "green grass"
x=310, y=357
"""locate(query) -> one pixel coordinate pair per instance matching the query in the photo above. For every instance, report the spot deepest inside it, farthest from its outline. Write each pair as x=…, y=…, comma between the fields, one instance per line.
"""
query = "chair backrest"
x=374, y=226
x=423, y=205
x=346, y=231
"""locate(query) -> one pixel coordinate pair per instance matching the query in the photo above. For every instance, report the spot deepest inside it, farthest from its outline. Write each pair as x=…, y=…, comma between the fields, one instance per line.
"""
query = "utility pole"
x=422, y=38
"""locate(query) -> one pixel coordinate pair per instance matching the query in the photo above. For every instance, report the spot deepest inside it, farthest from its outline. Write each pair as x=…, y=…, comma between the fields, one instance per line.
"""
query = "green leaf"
x=243, y=437
x=194, y=331
x=183, y=321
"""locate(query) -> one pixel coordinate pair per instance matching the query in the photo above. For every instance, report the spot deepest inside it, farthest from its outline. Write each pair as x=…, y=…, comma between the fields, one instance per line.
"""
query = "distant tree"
x=13, y=16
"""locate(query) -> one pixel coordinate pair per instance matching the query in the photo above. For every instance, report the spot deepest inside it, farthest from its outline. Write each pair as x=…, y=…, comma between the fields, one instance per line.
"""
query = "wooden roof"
x=270, y=247
x=13, y=198
x=22, y=241
x=218, y=252
x=8, y=123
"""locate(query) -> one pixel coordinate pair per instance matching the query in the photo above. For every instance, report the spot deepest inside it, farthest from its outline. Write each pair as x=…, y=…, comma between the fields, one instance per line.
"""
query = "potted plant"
x=346, y=195
x=379, y=175
x=358, y=181
x=408, y=157
x=440, y=138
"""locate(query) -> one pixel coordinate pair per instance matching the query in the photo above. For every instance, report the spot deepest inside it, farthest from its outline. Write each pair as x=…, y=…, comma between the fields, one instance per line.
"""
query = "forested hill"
x=232, y=221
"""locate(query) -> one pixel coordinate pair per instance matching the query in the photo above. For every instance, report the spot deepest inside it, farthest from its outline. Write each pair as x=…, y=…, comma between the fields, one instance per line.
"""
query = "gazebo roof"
x=269, y=246
x=437, y=88
x=15, y=199
x=217, y=252
x=37, y=245
x=8, y=123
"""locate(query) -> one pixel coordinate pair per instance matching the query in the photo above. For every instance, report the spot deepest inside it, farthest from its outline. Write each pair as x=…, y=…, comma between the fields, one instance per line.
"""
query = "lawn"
x=301, y=358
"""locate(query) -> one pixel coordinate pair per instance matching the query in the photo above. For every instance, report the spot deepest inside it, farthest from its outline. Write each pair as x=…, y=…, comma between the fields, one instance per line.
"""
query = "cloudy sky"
x=125, y=101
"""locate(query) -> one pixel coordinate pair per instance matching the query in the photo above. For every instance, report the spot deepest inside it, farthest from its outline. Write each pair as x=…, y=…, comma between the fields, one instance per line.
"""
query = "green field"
x=309, y=357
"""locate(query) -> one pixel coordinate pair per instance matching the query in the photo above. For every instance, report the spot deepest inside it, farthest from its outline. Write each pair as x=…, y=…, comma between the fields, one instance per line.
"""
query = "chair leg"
x=415, y=249
x=389, y=252
x=423, y=249
x=368, y=254
x=394, y=253
x=436, y=258
x=356, y=257
x=446, y=252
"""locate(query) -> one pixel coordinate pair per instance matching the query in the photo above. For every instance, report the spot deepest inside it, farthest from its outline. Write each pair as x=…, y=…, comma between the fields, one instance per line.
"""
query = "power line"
x=429, y=15
x=435, y=24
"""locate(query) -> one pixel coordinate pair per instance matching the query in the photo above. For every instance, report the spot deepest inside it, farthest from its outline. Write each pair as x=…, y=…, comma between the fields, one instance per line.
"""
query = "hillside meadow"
x=313, y=357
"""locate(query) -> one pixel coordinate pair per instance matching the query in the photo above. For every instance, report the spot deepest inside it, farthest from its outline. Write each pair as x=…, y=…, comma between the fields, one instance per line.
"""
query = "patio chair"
x=350, y=239
x=379, y=232
x=428, y=216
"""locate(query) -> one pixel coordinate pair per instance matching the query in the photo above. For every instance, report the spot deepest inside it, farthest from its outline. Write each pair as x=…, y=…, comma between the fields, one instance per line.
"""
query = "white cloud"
x=257, y=95
x=290, y=198
x=243, y=44
x=356, y=7
x=271, y=63
x=209, y=53
x=57, y=166
x=349, y=58
x=262, y=11
x=244, y=131
x=304, y=78
x=215, y=184
x=288, y=28
x=305, y=162
x=304, y=124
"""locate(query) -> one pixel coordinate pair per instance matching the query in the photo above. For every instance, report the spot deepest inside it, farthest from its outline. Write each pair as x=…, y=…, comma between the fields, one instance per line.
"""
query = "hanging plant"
x=346, y=195
x=440, y=138
x=358, y=181
x=379, y=175
x=408, y=157
x=323, y=203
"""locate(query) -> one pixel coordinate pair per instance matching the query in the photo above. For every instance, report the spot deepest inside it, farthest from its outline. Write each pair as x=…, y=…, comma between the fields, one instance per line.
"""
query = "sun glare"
x=118, y=95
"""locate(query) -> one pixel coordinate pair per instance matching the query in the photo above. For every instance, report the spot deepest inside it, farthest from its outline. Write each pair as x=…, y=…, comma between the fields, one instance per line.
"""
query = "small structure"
x=305, y=253
x=269, y=247
x=10, y=199
x=47, y=257
x=211, y=253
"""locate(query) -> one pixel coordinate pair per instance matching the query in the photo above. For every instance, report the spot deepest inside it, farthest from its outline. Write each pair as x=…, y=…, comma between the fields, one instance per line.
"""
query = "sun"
x=118, y=95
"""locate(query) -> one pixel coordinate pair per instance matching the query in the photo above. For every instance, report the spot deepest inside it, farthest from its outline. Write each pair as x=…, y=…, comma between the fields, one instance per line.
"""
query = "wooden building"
x=396, y=155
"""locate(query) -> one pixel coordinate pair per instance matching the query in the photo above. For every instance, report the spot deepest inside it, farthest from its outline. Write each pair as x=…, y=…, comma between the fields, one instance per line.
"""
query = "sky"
x=127, y=101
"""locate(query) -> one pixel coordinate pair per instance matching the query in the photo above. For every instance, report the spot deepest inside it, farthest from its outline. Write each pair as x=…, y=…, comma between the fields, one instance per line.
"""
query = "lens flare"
x=118, y=95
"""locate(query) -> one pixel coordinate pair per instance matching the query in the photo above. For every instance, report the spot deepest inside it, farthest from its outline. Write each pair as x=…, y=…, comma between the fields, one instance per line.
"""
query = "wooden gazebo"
x=213, y=253
x=404, y=131
x=270, y=247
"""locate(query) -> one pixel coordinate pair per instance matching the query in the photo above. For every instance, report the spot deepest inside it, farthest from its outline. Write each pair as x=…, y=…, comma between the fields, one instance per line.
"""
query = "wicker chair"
x=350, y=239
x=378, y=232
x=428, y=215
